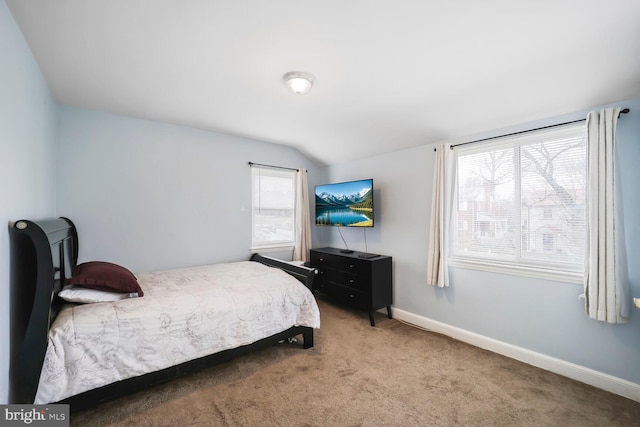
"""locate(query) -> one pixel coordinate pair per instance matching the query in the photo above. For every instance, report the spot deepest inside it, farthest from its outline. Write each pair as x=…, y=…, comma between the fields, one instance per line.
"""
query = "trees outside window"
x=522, y=200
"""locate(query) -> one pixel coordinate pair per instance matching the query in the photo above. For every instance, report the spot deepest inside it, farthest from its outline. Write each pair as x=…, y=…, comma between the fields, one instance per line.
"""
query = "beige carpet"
x=356, y=375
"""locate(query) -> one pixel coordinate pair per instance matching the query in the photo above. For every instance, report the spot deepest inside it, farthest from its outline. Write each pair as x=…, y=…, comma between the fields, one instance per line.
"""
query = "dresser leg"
x=373, y=322
x=389, y=312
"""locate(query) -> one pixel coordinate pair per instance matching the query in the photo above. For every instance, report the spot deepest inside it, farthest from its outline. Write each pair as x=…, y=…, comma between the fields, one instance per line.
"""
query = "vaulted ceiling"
x=389, y=74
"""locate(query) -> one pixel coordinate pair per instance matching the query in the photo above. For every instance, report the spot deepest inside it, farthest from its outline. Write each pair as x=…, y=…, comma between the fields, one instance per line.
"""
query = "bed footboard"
x=303, y=274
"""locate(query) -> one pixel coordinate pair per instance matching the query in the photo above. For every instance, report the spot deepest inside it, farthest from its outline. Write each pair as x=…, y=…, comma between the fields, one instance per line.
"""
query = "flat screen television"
x=345, y=204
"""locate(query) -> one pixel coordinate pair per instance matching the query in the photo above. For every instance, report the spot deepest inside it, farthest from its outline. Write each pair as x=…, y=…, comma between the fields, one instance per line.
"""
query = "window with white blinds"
x=272, y=207
x=520, y=201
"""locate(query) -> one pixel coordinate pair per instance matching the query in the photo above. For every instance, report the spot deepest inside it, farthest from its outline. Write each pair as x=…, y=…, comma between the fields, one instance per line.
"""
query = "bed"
x=187, y=319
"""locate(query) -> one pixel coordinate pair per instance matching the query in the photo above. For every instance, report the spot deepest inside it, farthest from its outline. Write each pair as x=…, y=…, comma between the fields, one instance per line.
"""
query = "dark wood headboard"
x=43, y=255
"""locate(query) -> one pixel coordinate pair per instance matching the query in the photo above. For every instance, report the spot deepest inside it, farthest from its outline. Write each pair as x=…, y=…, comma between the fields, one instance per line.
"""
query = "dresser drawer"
x=359, y=282
x=347, y=295
x=346, y=265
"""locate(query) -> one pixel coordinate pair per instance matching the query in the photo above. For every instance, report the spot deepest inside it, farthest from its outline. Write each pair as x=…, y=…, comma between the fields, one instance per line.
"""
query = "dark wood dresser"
x=359, y=279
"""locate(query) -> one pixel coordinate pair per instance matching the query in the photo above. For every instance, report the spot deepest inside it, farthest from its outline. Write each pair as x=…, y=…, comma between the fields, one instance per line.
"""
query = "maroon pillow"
x=105, y=276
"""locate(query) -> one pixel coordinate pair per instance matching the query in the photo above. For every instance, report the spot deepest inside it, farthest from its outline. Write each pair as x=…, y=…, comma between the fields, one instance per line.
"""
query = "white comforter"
x=184, y=314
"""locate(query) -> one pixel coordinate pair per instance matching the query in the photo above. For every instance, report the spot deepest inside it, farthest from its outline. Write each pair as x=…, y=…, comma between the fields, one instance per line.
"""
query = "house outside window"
x=522, y=199
x=272, y=208
x=547, y=242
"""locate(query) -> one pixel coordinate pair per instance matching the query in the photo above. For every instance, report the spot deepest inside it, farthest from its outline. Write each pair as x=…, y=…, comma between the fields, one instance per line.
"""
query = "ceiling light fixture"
x=298, y=82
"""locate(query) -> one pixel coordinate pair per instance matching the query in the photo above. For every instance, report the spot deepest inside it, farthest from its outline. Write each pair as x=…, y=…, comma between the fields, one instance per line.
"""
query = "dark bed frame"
x=43, y=255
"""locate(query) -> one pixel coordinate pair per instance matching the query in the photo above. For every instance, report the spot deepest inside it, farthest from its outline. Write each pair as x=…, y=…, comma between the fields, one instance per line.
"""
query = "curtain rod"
x=272, y=166
x=624, y=111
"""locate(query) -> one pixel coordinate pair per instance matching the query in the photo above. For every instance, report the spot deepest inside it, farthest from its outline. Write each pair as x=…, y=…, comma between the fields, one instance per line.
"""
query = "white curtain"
x=606, y=297
x=303, y=218
x=437, y=270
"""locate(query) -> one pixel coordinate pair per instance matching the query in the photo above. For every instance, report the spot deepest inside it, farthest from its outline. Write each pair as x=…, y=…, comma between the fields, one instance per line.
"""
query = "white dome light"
x=298, y=82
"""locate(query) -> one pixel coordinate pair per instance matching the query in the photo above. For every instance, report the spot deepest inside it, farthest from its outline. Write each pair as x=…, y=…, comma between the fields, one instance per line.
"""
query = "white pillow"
x=86, y=296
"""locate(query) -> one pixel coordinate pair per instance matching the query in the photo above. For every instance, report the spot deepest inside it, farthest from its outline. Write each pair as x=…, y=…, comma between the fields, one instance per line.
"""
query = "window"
x=272, y=207
x=547, y=242
x=522, y=201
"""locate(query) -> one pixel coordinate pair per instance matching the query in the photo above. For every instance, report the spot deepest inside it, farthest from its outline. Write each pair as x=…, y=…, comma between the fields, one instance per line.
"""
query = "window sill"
x=518, y=270
x=271, y=248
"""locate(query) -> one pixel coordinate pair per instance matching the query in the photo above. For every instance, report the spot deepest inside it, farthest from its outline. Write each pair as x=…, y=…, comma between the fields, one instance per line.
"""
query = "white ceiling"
x=389, y=74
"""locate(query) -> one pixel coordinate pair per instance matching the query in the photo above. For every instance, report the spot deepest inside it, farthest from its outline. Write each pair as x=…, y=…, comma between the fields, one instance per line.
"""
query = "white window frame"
x=258, y=245
x=570, y=273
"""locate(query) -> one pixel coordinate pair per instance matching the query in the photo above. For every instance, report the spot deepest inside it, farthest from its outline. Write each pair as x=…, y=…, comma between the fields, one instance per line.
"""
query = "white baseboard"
x=585, y=375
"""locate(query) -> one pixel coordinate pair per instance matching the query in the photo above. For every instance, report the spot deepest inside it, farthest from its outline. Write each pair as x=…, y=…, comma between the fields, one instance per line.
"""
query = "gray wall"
x=149, y=195
x=538, y=315
x=27, y=159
